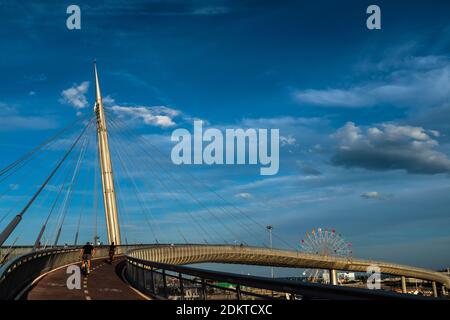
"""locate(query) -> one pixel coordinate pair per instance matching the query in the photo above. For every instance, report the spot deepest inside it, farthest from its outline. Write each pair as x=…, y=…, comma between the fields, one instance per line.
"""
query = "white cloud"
x=159, y=116
x=375, y=195
x=411, y=82
x=353, y=97
x=371, y=195
x=108, y=100
x=281, y=122
x=287, y=140
x=75, y=96
x=244, y=195
x=389, y=146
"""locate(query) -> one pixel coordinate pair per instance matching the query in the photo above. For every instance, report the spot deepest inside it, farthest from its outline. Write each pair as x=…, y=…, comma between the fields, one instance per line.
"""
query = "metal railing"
x=183, y=254
x=168, y=281
x=9, y=253
x=17, y=274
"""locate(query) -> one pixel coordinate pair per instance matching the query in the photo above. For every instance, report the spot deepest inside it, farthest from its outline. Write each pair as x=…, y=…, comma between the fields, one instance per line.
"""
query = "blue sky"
x=363, y=115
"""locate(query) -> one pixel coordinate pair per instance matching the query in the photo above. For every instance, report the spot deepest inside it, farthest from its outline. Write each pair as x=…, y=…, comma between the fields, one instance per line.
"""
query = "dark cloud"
x=308, y=169
x=389, y=147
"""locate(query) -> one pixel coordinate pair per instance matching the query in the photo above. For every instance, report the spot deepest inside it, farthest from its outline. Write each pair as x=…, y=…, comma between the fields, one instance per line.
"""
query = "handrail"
x=16, y=274
x=306, y=290
x=238, y=254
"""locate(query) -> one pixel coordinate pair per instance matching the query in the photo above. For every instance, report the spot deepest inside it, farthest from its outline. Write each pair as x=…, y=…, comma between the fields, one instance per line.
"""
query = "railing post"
x=164, y=282
x=180, y=277
x=333, y=277
x=142, y=280
x=403, y=284
x=152, y=280
x=127, y=269
x=238, y=292
x=204, y=289
x=433, y=285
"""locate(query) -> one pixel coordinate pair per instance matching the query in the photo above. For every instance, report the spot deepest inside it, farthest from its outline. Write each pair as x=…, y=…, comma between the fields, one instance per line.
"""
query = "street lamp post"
x=270, y=228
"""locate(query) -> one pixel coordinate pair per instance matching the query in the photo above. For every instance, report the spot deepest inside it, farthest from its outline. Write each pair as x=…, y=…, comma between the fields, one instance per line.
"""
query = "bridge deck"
x=103, y=283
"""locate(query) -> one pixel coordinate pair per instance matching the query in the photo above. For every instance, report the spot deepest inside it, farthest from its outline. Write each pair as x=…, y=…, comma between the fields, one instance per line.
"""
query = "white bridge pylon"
x=109, y=196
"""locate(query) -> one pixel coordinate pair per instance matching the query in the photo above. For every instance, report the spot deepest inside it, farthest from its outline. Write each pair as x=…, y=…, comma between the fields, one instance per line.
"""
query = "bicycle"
x=85, y=263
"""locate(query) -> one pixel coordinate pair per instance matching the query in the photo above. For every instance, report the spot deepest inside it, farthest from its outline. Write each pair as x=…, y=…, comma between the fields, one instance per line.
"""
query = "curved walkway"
x=103, y=283
x=187, y=254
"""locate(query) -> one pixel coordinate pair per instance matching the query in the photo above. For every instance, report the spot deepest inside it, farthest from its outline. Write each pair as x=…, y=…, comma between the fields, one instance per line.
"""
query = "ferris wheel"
x=325, y=242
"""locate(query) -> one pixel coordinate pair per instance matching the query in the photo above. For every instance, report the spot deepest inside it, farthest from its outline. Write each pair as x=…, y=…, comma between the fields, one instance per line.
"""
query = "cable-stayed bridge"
x=172, y=228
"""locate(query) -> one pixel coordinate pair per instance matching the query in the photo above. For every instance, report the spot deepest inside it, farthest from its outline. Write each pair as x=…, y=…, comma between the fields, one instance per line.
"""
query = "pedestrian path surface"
x=103, y=283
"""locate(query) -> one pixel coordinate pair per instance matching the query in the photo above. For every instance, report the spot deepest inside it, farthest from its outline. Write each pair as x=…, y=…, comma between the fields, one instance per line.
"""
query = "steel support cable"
x=62, y=173
x=83, y=201
x=123, y=208
x=65, y=162
x=18, y=201
x=201, y=230
x=138, y=196
x=196, y=199
x=243, y=226
x=13, y=172
x=16, y=220
x=58, y=210
x=153, y=195
x=63, y=203
x=19, y=179
x=11, y=249
x=73, y=182
x=58, y=175
x=7, y=213
x=222, y=208
x=8, y=253
x=198, y=225
x=40, y=160
x=79, y=221
x=123, y=205
x=39, y=147
x=95, y=202
x=201, y=204
x=55, y=201
x=25, y=162
x=87, y=187
x=217, y=194
x=16, y=239
x=142, y=200
x=211, y=226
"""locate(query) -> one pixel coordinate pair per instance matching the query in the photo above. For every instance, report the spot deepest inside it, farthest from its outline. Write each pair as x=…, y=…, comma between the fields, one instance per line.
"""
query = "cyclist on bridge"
x=87, y=252
x=112, y=251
